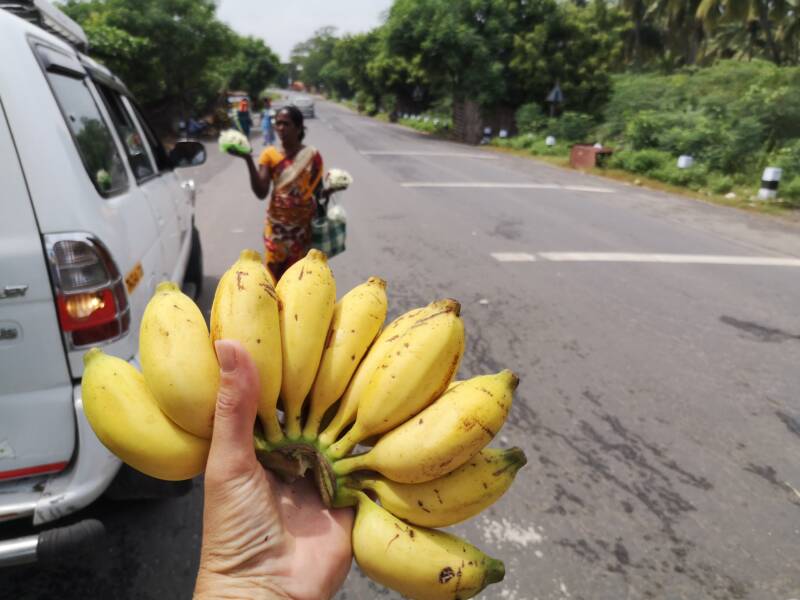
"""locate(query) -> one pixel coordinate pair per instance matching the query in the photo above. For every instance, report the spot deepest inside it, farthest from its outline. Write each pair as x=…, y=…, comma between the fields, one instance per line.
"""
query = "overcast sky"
x=283, y=24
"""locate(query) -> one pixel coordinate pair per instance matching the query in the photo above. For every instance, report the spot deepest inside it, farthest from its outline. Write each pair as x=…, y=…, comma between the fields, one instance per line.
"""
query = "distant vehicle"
x=93, y=215
x=305, y=104
x=298, y=86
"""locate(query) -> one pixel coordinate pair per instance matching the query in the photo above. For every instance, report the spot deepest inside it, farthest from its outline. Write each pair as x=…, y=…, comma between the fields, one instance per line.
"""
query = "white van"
x=92, y=217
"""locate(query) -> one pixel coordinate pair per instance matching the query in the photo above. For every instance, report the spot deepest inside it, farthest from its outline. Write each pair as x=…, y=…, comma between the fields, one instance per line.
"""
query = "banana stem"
x=272, y=428
x=347, y=465
x=343, y=446
x=331, y=432
x=345, y=496
x=311, y=429
x=293, y=430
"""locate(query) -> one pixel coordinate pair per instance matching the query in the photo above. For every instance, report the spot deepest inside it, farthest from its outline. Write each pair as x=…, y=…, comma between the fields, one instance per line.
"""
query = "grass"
x=745, y=195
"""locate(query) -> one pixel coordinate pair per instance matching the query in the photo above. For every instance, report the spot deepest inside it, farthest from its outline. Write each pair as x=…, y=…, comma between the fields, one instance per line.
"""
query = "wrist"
x=216, y=586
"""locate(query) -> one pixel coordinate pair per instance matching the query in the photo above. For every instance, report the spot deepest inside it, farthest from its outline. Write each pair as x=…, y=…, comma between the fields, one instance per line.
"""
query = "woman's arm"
x=260, y=177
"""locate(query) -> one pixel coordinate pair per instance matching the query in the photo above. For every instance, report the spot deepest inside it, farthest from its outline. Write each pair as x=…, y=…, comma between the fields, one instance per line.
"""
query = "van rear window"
x=92, y=136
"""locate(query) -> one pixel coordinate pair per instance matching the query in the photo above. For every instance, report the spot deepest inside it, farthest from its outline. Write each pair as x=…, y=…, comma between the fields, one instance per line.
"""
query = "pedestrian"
x=266, y=123
x=243, y=116
x=294, y=175
x=262, y=538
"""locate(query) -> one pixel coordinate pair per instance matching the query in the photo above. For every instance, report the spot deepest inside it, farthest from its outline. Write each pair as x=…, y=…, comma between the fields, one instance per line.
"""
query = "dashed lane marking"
x=630, y=257
x=511, y=186
x=427, y=153
x=513, y=257
x=698, y=259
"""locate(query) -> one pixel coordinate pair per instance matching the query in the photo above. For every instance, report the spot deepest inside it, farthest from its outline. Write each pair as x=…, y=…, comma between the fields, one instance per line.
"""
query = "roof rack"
x=46, y=16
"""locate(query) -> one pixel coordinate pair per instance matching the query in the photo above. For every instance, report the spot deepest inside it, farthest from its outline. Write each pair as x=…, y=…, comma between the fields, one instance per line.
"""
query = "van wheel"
x=130, y=484
x=194, y=268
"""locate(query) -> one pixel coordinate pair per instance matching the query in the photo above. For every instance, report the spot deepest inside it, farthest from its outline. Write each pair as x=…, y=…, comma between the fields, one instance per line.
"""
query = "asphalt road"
x=657, y=340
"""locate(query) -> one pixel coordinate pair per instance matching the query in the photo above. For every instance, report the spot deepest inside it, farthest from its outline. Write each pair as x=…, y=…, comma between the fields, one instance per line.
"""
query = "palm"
x=319, y=541
x=302, y=548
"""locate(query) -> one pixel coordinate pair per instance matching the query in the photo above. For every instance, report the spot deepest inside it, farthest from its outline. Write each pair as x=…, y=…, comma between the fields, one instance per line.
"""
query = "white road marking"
x=427, y=153
x=480, y=184
x=513, y=186
x=587, y=188
x=513, y=257
x=237, y=230
x=698, y=259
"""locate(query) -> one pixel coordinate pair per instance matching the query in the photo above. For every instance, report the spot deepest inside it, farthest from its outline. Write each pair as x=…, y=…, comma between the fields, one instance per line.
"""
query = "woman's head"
x=289, y=125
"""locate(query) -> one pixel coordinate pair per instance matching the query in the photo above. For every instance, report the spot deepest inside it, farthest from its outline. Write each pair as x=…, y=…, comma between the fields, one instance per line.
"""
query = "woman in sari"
x=295, y=176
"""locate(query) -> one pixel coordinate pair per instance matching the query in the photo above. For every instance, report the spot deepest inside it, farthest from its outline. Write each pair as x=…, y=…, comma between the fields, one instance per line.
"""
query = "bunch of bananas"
x=332, y=377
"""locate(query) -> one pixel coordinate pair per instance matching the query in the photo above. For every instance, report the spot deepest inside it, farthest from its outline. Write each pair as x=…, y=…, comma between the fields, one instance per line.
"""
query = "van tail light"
x=90, y=293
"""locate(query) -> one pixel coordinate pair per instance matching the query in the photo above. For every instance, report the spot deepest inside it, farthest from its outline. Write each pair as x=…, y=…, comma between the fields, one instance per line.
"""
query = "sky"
x=283, y=24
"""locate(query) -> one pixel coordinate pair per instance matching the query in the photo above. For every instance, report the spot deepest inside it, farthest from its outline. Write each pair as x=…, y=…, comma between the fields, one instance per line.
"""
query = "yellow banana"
x=414, y=371
x=357, y=318
x=246, y=309
x=420, y=563
x=127, y=419
x=346, y=413
x=307, y=294
x=178, y=359
x=450, y=499
x=442, y=437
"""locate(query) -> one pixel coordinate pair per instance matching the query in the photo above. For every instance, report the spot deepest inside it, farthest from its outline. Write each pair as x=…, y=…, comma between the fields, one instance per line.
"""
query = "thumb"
x=237, y=404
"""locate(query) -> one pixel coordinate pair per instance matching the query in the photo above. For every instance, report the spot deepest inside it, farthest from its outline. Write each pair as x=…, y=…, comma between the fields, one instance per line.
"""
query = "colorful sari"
x=295, y=186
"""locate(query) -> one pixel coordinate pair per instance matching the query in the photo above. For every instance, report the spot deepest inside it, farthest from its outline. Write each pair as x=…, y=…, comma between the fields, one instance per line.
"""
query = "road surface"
x=657, y=340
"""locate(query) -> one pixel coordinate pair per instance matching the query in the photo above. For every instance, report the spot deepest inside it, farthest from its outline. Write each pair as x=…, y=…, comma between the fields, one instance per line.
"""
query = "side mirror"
x=187, y=153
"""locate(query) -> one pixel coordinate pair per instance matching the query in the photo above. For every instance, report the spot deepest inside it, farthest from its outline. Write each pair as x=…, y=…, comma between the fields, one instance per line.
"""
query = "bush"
x=693, y=177
x=790, y=191
x=571, y=126
x=643, y=162
x=644, y=129
x=788, y=159
x=530, y=118
x=720, y=184
x=432, y=125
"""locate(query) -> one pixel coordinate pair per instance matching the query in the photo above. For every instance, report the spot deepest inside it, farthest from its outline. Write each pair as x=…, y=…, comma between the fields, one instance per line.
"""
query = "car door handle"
x=13, y=291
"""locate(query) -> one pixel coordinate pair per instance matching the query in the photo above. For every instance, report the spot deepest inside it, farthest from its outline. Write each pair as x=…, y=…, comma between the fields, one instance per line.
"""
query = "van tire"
x=194, y=267
x=130, y=484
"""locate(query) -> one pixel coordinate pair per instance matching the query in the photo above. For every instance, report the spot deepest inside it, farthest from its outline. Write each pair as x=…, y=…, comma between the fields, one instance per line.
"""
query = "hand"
x=237, y=152
x=262, y=538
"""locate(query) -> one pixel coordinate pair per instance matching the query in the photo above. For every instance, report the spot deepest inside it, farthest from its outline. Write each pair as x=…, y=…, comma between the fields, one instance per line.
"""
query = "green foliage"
x=433, y=125
x=787, y=158
x=530, y=118
x=720, y=184
x=694, y=177
x=153, y=45
x=254, y=67
x=790, y=191
x=571, y=126
x=728, y=117
x=643, y=162
x=533, y=143
x=562, y=42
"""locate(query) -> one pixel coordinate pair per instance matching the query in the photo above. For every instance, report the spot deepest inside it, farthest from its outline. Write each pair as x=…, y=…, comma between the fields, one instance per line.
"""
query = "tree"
x=254, y=67
x=313, y=55
x=762, y=19
x=153, y=45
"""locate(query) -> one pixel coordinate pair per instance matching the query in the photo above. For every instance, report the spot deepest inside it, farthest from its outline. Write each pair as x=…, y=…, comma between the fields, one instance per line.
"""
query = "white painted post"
x=769, y=183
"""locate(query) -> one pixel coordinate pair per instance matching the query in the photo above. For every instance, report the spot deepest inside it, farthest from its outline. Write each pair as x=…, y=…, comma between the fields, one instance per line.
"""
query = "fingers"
x=237, y=404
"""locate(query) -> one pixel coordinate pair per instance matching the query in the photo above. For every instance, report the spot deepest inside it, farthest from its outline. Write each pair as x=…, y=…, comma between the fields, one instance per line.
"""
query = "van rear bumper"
x=46, y=499
x=53, y=545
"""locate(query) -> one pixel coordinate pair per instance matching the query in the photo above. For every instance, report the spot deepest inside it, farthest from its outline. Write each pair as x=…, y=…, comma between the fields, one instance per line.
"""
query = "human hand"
x=262, y=538
x=234, y=151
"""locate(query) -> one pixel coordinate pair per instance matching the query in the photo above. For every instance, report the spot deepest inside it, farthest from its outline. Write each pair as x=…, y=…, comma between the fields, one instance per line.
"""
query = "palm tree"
x=683, y=31
x=765, y=16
